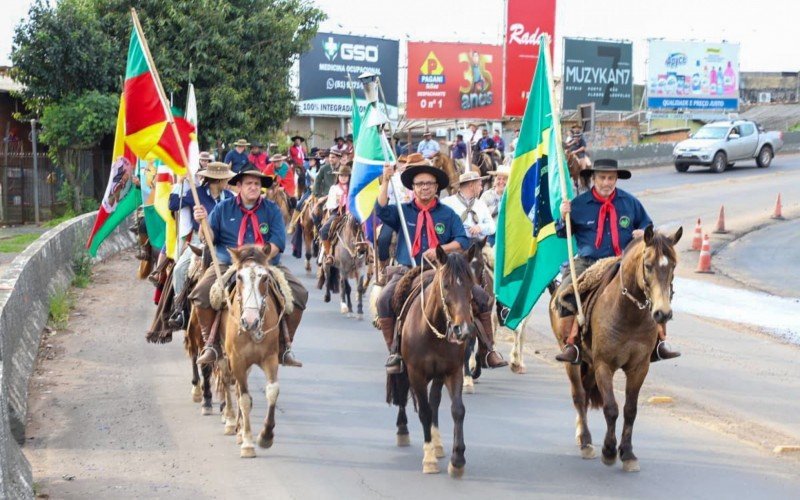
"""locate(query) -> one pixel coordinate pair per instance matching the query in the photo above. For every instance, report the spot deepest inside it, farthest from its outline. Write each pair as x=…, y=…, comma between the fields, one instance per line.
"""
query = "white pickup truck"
x=720, y=144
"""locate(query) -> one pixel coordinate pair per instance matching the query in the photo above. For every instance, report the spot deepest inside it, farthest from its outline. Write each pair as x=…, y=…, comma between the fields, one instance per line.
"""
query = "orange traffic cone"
x=697, y=241
x=721, y=221
x=704, y=263
x=778, y=209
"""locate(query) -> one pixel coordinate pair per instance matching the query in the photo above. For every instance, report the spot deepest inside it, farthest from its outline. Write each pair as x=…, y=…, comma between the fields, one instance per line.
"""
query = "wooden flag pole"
x=544, y=46
x=204, y=227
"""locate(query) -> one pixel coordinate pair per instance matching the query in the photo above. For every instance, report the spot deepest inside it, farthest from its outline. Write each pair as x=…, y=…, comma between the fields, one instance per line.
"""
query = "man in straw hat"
x=491, y=197
x=474, y=213
x=336, y=205
x=429, y=224
x=604, y=220
x=237, y=157
x=427, y=147
x=248, y=218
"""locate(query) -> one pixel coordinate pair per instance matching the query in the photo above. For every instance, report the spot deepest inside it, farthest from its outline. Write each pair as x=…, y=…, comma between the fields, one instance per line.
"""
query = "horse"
x=252, y=337
x=444, y=162
x=436, y=324
x=280, y=198
x=634, y=295
x=483, y=164
x=351, y=258
x=306, y=222
x=193, y=339
x=145, y=253
x=484, y=279
x=579, y=182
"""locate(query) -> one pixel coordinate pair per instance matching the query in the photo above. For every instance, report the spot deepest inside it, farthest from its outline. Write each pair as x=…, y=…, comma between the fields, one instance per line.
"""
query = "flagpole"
x=556, y=136
x=204, y=227
x=397, y=202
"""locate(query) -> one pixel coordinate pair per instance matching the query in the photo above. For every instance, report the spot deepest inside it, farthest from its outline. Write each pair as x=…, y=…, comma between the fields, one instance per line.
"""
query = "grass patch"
x=54, y=222
x=82, y=267
x=60, y=305
x=18, y=243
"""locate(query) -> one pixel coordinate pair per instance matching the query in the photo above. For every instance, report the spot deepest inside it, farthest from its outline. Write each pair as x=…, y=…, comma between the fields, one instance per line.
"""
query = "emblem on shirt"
x=439, y=228
x=264, y=228
x=624, y=222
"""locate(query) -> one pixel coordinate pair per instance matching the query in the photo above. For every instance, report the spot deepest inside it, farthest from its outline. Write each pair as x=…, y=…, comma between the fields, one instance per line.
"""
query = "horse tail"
x=593, y=395
x=397, y=388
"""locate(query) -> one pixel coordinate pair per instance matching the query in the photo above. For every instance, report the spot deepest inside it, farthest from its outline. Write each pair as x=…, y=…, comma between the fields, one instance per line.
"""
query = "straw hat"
x=276, y=158
x=501, y=170
x=344, y=170
x=216, y=170
x=242, y=143
x=206, y=156
x=470, y=176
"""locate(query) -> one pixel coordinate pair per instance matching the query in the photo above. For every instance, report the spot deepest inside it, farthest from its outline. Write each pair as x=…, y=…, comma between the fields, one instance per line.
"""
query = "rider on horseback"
x=247, y=218
x=604, y=221
x=430, y=224
x=386, y=233
x=336, y=205
x=485, y=145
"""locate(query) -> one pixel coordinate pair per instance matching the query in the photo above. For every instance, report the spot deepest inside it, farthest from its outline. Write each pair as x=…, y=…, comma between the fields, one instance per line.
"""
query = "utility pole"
x=35, y=173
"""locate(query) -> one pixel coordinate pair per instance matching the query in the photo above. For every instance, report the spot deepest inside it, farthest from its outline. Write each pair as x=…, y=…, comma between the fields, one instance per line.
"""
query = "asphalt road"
x=112, y=415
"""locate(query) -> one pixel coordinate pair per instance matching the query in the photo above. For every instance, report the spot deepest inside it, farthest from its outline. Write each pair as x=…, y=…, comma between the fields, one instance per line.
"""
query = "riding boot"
x=662, y=350
x=320, y=278
x=209, y=325
x=386, y=326
x=287, y=356
x=380, y=278
x=493, y=359
x=394, y=363
x=571, y=353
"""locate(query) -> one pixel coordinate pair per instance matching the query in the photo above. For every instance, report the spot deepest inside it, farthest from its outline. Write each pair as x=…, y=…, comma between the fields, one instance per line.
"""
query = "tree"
x=75, y=124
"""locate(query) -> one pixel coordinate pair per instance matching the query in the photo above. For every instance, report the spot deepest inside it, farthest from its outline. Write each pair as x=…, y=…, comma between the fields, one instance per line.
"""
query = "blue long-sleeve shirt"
x=584, y=214
x=236, y=160
x=226, y=218
x=446, y=223
x=204, y=193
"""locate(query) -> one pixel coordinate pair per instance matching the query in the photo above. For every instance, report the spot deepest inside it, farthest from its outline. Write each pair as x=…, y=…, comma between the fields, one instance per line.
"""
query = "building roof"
x=7, y=84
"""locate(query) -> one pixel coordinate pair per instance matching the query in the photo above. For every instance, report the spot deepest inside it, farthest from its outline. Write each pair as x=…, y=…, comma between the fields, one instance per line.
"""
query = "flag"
x=121, y=196
x=354, y=113
x=185, y=214
x=528, y=252
x=371, y=152
x=156, y=228
x=163, y=188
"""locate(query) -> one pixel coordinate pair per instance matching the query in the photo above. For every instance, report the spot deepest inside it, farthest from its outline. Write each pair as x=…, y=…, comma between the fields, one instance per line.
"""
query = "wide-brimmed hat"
x=337, y=139
x=276, y=157
x=344, y=170
x=216, y=170
x=417, y=164
x=606, y=165
x=402, y=159
x=256, y=144
x=205, y=156
x=295, y=137
x=241, y=142
x=501, y=170
x=335, y=152
x=470, y=176
x=250, y=169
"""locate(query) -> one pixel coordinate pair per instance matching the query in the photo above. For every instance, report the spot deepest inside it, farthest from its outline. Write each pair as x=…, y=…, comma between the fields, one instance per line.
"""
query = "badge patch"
x=264, y=228
x=439, y=228
x=624, y=222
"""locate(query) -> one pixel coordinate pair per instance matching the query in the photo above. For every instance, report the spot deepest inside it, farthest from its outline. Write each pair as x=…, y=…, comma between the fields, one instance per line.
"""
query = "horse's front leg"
x=344, y=296
x=469, y=363
x=457, y=461
x=517, y=364
x=247, y=449
x=605, y=383
x=361, y=290
x=634, y=379
x=228, y=415
x=206, y=409
x=435, y=400
x=419, y=385
x=270, y=368
x=197, y=390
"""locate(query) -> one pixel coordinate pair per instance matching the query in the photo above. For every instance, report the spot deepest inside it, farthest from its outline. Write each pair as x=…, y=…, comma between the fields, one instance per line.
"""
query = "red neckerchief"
x=424, y=217
x=345, y=192
x=607, y=209
x=249, y=215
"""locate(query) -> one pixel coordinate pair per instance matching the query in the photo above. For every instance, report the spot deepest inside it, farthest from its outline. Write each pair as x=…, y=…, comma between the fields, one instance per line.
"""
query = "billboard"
x=454, y=80
x=598, y=71
x=693, y=75
x=525, y=21
x=324, y=86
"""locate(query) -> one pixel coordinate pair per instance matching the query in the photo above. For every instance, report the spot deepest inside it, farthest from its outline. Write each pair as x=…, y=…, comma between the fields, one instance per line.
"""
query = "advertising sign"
x=454, y=80
x=693, y=75
x=324, y=85
x=598, y=71
x=525, y=21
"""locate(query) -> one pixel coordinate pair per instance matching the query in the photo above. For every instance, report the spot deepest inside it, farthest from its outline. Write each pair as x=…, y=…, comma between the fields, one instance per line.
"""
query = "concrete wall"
x=25, y=290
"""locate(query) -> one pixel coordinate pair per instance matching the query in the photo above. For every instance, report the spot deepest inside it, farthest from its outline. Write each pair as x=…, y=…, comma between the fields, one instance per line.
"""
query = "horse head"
x=654, y=275
x=455, y=289
x=477, y=262
x=250, y=262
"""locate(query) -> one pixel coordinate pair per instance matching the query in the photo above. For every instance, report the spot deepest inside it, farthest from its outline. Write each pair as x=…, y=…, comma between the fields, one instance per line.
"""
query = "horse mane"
x=661, y=243
x=251, y=252
x=456, y=267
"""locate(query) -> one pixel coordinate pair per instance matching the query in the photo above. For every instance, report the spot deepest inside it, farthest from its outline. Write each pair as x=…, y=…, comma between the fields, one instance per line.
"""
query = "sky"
x=765, y=37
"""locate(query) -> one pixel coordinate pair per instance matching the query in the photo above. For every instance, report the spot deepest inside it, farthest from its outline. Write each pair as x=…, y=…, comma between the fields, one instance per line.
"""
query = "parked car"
x=719, y=144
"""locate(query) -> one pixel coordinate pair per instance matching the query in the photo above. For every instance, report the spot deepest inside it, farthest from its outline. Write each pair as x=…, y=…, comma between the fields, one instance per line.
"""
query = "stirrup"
x=295, y=362
x=208, y=348
x=394, y=364
x=577, y=359
x=486, y=359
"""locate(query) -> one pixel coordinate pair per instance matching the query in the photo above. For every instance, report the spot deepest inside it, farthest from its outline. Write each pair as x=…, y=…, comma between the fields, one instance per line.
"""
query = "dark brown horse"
x=622, y=332
x=436, y=324
x=351, y=260
x=484, y=279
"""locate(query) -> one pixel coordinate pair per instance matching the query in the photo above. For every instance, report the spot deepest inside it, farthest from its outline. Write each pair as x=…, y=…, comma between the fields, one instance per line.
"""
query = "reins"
x=448, y=319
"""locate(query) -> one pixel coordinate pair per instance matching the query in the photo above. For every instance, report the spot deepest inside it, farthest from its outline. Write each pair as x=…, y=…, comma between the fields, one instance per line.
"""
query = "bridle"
x=648, y=303
x=448, y=318
x=262, y=307
x=360, y=237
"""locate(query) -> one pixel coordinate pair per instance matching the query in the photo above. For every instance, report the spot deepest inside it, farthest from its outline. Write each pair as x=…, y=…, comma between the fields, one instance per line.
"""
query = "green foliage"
x=60, y=305
x=69, y=214
x=82, y=267
x=18, y=243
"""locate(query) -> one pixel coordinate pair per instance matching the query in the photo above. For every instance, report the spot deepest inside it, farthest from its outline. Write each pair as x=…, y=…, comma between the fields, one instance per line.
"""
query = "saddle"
x=590, y=284
x=408, y=288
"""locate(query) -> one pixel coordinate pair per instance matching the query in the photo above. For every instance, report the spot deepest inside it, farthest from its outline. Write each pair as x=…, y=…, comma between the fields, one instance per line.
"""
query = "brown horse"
x=579, y=182
x=280, y=198
x=351, y=259
x=436, y=325
x=444, y=162
x=622, y=332
x=193, y=340
x=252, y=337
x=309, y=230
x=484, y=279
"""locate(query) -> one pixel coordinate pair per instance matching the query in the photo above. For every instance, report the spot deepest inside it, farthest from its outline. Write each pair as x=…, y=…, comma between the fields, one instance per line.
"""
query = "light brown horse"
x=252, y=337
x=579, y=182
x=622, y=334
x=280, y=198
x=309, y=230
x=444, y=162
x=435, y=329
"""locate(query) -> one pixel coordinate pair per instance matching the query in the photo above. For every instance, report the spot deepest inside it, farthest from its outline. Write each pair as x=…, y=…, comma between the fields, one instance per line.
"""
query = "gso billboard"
x=324, y=86
x=693, y=75
x=454, y=80
x=598, y=71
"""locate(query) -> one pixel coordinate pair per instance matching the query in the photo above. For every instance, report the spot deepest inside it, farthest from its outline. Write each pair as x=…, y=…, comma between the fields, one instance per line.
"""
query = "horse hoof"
x=230, y=430
x=343, y=309
x=360, y=317
x=588, y=453
x=439, y=450
x=403, y=440
x=518, y=369
x=197, y=394
x=248, y=452
x=630, y=465
x=264, y=442
x=455, y=472
x=609, y=461
x=468, y=385
x=206, y=410
x=430, y=468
